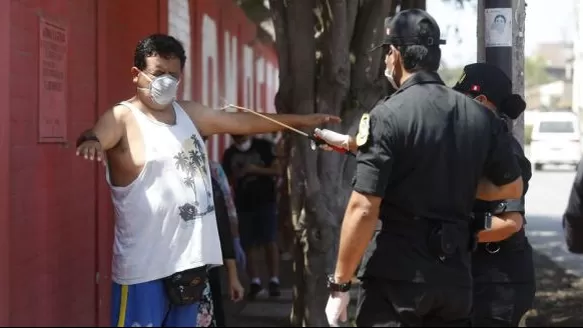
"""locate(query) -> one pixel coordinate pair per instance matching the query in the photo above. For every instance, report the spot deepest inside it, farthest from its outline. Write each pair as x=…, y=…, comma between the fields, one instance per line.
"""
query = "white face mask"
x=244, y=146
x=163, y=89
x=389, y=75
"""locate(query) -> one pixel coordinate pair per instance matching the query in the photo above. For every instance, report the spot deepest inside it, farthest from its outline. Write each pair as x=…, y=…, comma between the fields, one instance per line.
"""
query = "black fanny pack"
x=186, y=287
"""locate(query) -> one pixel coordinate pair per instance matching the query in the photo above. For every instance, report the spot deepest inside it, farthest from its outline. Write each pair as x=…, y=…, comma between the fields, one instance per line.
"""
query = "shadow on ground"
x=559, y=300
x=559, y=296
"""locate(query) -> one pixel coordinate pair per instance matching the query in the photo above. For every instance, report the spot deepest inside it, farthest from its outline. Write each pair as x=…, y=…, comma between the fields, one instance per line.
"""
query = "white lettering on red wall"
x=248, y=82
x=244, y=76
x=179, y=27
x=259, y=82
x=210, y=73
x=270, y=108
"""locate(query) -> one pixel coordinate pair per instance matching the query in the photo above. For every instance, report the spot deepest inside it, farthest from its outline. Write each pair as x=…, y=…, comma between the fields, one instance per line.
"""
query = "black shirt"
x=573, y=216
x=223, y=223
x=510, y=260
x=250, y=191
x=428, y=146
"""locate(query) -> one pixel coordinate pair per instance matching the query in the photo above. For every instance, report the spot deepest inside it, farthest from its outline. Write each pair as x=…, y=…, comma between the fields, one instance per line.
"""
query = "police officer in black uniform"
x=423, y=156
x=502, y=265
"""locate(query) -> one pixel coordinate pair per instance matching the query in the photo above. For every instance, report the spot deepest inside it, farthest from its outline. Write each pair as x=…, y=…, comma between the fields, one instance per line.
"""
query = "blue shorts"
x=147, y=305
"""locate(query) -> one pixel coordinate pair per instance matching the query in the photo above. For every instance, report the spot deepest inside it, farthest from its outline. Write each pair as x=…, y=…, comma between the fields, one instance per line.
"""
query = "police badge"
x=363, y=130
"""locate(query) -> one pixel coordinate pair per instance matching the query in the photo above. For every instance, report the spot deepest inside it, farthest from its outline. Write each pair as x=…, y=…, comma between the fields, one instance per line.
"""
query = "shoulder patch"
x=363, y=130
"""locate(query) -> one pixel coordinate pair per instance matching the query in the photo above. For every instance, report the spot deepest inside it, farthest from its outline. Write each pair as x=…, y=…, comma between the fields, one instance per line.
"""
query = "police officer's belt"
x=390, y=213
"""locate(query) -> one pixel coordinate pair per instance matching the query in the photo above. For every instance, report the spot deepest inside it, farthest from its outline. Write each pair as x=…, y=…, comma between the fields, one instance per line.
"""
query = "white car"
x=555, y=139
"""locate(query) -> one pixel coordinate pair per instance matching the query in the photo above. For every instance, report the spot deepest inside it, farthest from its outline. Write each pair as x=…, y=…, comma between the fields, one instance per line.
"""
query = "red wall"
x=4, y=166
x=52, y=222
x=210, y=21
x=56, y=222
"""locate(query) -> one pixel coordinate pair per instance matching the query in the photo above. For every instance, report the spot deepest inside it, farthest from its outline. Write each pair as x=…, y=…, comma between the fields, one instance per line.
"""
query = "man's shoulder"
x=121, y=112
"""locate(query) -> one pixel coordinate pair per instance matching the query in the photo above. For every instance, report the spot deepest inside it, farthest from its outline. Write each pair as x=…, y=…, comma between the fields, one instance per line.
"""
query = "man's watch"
x=335, y=287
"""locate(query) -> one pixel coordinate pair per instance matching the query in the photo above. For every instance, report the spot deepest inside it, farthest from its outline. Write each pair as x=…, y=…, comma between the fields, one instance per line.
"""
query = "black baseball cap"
x=411, y=27
x=489, y=80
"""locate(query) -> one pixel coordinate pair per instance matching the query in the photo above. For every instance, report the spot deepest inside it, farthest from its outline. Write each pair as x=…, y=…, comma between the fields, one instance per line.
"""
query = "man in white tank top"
x=157, y=167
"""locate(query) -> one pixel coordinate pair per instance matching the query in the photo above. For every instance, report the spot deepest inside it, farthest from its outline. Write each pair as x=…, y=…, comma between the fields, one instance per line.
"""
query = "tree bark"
x=518, y=21
x=410, y=4
x=325, y=67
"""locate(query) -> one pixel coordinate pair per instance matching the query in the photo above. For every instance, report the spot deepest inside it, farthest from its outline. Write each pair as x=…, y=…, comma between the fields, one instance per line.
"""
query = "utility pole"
x=501, y=43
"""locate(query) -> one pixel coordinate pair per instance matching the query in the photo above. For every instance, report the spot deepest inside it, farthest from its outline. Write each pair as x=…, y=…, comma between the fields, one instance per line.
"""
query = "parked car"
x=555, y=139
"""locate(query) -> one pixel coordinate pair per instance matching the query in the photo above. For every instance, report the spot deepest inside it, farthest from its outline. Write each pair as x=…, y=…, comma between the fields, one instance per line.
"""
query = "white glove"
x=336, y=308
x=333, y=138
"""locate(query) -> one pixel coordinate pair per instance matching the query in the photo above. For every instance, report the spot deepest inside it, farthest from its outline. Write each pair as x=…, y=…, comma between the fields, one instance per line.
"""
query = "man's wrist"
x=341, y=278
x=338, y=285
x=86, y=136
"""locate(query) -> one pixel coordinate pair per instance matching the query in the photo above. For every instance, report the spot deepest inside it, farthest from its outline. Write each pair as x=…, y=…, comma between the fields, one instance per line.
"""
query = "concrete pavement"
x=546, y=201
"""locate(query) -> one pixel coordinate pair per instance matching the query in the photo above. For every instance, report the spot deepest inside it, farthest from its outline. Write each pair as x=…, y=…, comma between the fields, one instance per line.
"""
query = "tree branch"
x=365, y=87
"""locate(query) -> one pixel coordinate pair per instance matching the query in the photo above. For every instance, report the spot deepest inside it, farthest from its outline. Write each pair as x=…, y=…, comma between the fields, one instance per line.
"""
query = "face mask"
x=163, y=89
x=244, y=146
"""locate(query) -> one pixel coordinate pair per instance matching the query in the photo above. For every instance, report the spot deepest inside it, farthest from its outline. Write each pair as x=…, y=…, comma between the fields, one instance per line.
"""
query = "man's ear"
x=135, y=74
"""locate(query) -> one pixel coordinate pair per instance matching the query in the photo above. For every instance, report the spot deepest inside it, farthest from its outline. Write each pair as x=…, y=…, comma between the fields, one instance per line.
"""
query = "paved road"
x=545, y=203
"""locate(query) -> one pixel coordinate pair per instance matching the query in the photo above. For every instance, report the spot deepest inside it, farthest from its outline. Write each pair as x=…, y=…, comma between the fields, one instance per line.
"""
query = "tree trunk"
x=518, y=21
x=410, y=4
x=325, y=67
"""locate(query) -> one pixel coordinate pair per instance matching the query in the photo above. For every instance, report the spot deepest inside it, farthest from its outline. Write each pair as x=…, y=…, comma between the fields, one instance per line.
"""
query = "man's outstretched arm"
x=104, y=135
x=211, y=121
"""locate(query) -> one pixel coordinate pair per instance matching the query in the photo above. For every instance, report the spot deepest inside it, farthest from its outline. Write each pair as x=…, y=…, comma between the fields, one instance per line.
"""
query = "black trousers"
x=500, y=304
x=388, y=303
x=217, y=295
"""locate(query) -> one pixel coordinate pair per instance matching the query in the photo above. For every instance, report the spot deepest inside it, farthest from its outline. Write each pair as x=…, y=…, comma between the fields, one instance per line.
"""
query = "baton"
x=314, y=140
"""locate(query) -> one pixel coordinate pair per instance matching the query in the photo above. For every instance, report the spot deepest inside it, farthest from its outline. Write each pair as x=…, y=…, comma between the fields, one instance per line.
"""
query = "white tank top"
x=165, y=219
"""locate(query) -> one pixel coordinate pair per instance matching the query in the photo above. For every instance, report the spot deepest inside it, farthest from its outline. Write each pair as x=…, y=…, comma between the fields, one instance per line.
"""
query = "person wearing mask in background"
x=424, y=153
x=211, y=310
x=219, y=175
x=166, y=234
x=252, y=168
x=502, y=264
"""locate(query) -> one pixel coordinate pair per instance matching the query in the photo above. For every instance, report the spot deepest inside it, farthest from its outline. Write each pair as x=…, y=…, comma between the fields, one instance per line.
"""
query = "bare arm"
x=360, y=220
x=210, y=121
x=231, y=265
x=108, y=130
x=490, y=192
x=109, y=127
x=504, y=225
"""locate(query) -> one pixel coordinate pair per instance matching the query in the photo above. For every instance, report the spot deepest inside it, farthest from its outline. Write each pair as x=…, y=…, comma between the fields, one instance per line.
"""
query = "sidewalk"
x=559, y=300
x=265, y=311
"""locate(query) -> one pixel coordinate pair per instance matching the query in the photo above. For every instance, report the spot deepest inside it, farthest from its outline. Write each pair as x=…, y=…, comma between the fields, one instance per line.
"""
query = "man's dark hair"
x=416, y=58
x=162, y=45
x=421, y=57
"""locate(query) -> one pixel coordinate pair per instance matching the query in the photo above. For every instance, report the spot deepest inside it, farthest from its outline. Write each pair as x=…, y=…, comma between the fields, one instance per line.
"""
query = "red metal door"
x=52, y=225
